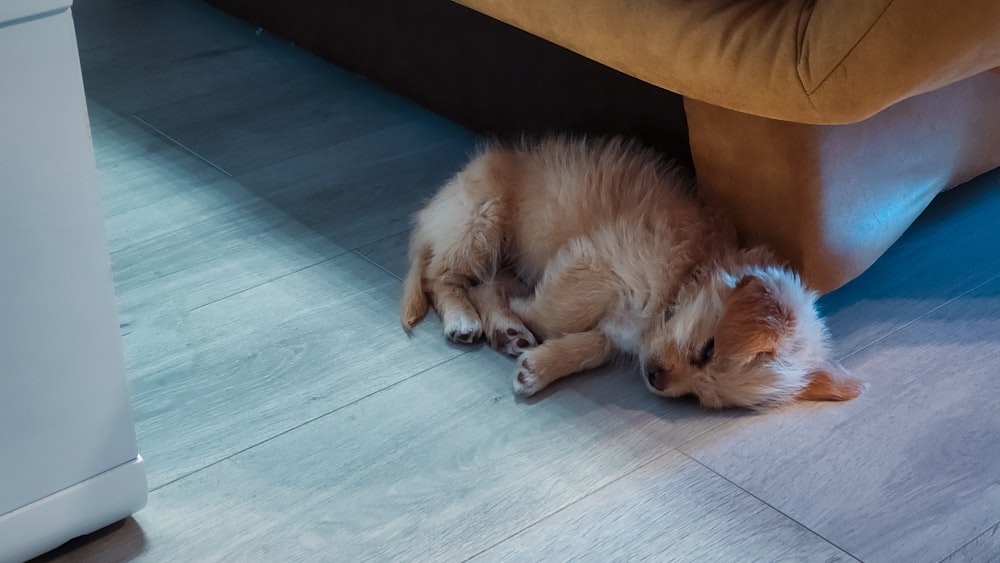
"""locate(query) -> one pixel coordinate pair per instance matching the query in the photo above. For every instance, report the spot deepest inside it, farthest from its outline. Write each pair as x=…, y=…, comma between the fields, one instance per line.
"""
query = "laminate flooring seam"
x=571, y=504
x=357, y=251
x=277, y=278
x=769, y=505
x=625, y=476
x=995, y=529
x=301, y=425
x=180, y=144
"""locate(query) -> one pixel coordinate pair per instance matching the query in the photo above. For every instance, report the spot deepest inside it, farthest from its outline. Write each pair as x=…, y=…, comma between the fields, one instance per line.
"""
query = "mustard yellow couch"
x=824, y=127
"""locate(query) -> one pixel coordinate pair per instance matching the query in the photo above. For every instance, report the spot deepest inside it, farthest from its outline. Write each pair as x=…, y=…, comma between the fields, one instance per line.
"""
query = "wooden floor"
x=258, y=203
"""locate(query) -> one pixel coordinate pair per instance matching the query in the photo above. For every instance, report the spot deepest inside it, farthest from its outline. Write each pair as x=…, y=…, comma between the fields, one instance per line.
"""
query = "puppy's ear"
x=753, y=321
x=831, y=382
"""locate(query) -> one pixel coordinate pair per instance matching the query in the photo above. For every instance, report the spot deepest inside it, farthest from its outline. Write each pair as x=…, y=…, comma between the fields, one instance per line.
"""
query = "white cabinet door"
x=64, y=403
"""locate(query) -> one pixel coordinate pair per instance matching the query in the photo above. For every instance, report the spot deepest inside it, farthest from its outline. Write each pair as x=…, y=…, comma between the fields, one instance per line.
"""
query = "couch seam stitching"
x=800, y=34
x=847, y=55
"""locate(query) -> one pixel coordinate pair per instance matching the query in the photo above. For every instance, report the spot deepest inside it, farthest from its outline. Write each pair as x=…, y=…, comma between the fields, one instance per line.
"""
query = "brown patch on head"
x=831, y=382
x=753, y=321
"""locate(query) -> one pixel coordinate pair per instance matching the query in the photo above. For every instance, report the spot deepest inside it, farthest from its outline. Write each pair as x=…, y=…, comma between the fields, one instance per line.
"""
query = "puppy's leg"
x=575, y=293
x=502, y=328
x=449, y=293
x=559, y=357
x=464, y=227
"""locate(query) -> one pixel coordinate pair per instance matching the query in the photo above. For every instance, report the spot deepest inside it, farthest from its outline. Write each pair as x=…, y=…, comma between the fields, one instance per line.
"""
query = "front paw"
x=462, y=329
x=526, y=379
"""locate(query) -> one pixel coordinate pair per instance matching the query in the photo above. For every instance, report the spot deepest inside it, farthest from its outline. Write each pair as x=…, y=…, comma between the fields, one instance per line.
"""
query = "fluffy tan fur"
x=569, y=251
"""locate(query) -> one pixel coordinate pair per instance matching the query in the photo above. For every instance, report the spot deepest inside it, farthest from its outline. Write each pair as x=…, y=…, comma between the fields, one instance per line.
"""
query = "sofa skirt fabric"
x=483, y=74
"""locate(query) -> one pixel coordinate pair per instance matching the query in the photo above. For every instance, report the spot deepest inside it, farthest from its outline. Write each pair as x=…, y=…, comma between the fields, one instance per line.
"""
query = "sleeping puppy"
x=569, y=252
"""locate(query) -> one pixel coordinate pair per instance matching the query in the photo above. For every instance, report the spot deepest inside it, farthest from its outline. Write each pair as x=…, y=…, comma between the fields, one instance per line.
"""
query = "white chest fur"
x=624, y=326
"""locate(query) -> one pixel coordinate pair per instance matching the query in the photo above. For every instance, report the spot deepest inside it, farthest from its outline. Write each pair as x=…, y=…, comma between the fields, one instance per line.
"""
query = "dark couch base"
x=488, y=76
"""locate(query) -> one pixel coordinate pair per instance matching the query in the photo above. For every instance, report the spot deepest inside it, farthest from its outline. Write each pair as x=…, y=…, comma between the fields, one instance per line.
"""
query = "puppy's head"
x=756, y=341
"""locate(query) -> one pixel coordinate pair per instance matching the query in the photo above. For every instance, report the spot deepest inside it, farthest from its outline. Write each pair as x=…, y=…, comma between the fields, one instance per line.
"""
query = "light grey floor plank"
x=239, y=248
x=670, y=510
x=367, y=188
x=161, y=328
x=985, y=548
x=210, y=382
x=908, y=471
x=432, y=469
x=243, y=128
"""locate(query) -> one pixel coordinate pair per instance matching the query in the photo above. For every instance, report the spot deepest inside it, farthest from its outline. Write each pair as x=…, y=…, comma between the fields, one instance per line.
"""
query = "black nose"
x=658, y=378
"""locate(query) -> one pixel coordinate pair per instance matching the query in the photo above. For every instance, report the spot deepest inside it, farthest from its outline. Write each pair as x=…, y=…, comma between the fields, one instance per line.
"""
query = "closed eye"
x=705, y=355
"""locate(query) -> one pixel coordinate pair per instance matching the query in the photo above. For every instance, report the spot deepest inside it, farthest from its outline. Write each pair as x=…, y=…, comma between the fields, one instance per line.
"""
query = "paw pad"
x=514, y=340
x=526, y=382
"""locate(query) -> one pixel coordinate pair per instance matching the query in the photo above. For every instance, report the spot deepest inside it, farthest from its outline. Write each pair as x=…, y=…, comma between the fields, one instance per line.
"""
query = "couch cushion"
x=811, y=61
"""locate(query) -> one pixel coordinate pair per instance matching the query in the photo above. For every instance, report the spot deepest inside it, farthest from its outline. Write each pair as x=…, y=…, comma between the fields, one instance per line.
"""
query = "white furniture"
x=68, y=458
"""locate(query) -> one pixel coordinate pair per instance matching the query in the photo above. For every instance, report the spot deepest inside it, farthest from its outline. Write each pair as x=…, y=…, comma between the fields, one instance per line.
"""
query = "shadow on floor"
x=129, y=542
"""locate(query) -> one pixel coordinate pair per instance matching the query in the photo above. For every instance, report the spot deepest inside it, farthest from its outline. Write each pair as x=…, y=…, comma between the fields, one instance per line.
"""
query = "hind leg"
x=503, y=329
x=446, y=290
x=575, y=294
x=463, y=229
x=449, y=294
